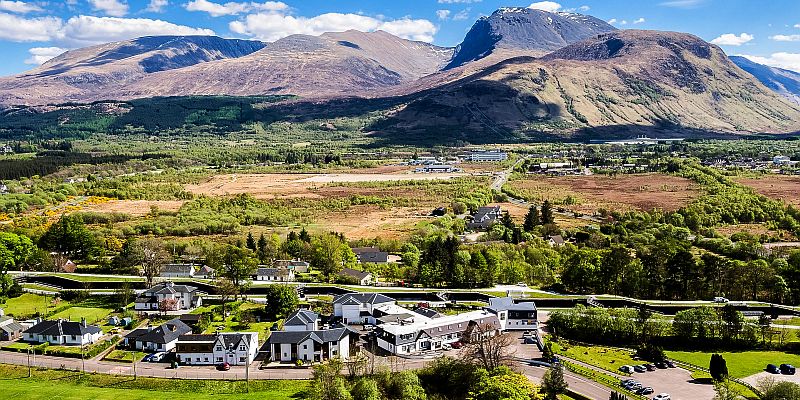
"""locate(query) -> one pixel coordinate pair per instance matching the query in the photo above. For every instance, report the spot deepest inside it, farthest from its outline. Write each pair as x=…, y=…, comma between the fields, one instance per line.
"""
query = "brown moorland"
x=778, y=187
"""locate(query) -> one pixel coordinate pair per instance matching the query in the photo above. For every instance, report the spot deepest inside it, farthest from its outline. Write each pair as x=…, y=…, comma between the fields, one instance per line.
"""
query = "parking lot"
x=753, y=379
x=677, y=382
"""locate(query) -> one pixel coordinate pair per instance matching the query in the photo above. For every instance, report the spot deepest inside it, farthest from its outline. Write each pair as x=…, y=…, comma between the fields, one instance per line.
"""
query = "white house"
x=513, y=315
x=310, y=346
x=160, y=338
x=362, y=278
x=186, y=297
x=237, y=348
x=297, y=266
x=484, y=217
x=62, y=332
x=302, y=320
x=417, y=333
x=274, y=274
x=363, y=308
x=178, y=271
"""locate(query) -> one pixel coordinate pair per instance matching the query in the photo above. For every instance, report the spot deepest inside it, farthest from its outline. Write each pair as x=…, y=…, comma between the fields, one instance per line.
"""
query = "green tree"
x=238, y=265
x=330, y=254
x=547, y=216
x=251, y=242
x=406, y=386
x=772, y=390
x=15, y=251
x=531, y=219
x=70, y=236
x=507, y=386
x=282, y=300
x=553, y=383
x=329, y=384
x=366, y=389
x=718, y=368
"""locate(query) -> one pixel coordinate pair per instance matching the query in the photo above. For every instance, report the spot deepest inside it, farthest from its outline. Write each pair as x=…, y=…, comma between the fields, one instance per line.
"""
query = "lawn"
x=93, y=278
x=52, y=384
x=229, y=325
x=92, y=314
x=123, y=356
x=740, y=364
x=29, y=304
x=601, y=357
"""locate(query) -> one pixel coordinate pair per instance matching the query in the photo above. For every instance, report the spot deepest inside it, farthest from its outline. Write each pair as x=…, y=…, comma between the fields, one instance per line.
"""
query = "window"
x=219, y=359
x=242, y=348
x=219, y=348
x=205, y=359
x=198, y=359
x=305, y=346
x=241, y=359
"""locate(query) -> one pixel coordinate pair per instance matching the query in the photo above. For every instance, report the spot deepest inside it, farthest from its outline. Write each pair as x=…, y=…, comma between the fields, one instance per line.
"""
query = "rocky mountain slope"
x=333, y=64
x=784, y=82
x=523, y=29
x=610, y=85
x=81, y=74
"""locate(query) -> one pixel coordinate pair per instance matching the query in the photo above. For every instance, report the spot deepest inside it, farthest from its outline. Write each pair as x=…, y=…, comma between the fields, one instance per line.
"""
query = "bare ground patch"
x=619, y=193
x=134, y=208
x=366, y=222
x=778, y=187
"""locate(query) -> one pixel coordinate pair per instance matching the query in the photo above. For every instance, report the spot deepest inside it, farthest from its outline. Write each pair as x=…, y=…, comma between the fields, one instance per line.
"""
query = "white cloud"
x=639, y=21
x=789, y=61
x=550, y=6
x=40, y=55
x=114, y=8
x=682, y=3
x=157, y=6
x=234, y=8
x=786, y=38
x=730, y=39
x=462, y=15
x=442, y=14
x=797, y=26
x=19, y=7
x=612, y=21
x=19, y=29
x=86, y=30
x=273, y=26
x=584, y=8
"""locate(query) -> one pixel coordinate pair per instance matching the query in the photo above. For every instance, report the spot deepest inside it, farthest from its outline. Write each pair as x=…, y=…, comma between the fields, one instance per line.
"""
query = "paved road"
x=502, y=177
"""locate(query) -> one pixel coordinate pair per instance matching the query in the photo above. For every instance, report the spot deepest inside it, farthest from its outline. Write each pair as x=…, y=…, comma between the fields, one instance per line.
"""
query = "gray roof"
x=168, y=288
x=322, y=336
x=301, y=317
x=427, y=312
x=507, y=304
x=371, y=255
x=272, y=272
x=61, y=327
x=166, y=333
x=395, y=318
x=178, y=268
x=362, y=298
x=7, y=324
x=354, y=273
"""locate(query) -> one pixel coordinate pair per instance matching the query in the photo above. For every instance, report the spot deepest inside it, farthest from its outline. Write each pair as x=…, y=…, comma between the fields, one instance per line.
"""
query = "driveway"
x=753, y=379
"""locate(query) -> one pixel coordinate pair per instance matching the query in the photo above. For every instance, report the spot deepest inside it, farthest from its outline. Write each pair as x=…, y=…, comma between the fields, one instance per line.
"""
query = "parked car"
x=661, y=365
x=670, y=364
x=522, y=284
x=626, y=369
x=662, y=396
x=645, y=391
x=773, y=369
x=626, y=381
x=639, y=368
x=457, y=345
x=530, y=340
x=650, y=367
x=721, y=300
x=147, y=358
x=223, y=367
x=787, y=369
x=157, y=357
x=447, y=347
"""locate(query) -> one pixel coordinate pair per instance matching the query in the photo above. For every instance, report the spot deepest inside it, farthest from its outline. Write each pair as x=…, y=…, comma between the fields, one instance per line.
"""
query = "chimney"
x=170, y=283
x=2, y=312
x=83, y=322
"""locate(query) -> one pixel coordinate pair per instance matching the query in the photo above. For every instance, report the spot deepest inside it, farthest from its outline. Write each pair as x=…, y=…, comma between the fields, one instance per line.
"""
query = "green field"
x=92, y=314
x=601, y=357
x=51, y=384
x=740, y=364
x=29, y=304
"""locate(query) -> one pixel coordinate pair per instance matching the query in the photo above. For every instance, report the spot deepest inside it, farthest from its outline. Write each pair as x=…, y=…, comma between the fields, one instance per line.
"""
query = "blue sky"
x=31, y=31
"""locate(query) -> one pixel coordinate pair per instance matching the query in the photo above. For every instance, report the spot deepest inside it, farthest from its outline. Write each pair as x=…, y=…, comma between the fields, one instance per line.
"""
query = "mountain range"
x=518, y=74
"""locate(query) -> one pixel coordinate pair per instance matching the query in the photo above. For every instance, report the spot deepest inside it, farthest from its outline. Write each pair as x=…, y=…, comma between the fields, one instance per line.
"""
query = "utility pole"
x=247, y=367
x=133, y=358
x=83, y=360
x=29, y=362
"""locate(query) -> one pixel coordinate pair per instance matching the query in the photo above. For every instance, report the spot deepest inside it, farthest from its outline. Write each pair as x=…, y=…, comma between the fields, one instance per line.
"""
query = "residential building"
x=160, y=338
x=297, y=266
x=178, y=271
x=364, y=308
x=186, y=297
x=6, y=149
x=10, y=329
x=236, y=348
x=371, y=255
x=514, y=315
x=484, y=217
x=274, y=274
x=556, y=241
x=311, y=346
x=780, y=160
x=486, y=156
x=362, y=278
x=3, y=188
x=420, y=334
x=301, y=320
x=63, y=332
x=205, y=272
